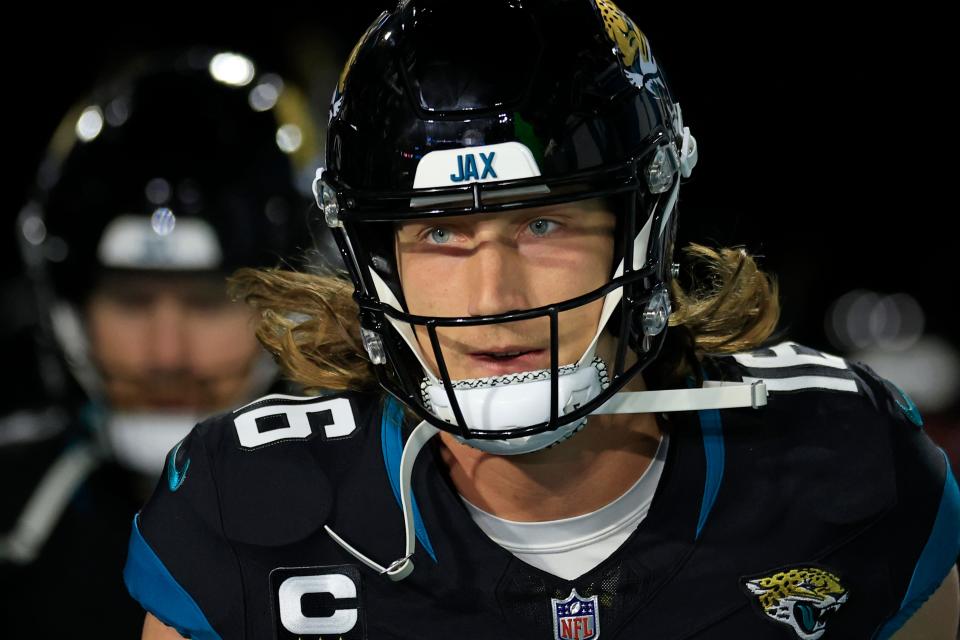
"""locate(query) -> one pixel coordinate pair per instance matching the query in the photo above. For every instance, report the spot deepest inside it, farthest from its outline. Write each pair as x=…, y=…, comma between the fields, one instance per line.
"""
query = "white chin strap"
x=515, y=400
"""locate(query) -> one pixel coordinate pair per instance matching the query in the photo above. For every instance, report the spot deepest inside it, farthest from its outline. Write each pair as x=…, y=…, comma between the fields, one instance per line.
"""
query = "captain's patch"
x=317, y=603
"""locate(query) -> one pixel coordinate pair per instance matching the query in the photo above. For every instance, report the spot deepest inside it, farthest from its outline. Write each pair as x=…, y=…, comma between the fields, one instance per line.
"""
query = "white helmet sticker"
x=488, y=163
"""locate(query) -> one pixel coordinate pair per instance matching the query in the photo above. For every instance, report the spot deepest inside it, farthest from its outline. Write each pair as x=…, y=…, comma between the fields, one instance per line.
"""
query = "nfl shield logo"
x=575, y=618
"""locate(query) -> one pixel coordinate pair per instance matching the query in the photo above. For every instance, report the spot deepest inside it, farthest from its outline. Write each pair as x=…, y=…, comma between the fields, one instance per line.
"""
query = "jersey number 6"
x=291, y=418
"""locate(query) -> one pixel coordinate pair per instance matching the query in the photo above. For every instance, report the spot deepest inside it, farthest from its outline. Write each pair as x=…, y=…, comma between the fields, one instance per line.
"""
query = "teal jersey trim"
x=391, y=442
x=711, y=427
x=907, y=405
x=150, y=584
x=937, y=558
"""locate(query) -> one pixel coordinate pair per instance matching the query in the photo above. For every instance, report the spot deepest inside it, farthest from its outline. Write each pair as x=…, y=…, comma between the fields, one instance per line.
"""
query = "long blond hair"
x=310, y=323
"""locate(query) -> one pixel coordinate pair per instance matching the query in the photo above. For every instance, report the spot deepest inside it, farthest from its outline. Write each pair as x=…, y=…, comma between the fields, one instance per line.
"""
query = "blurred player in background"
x=170, y=174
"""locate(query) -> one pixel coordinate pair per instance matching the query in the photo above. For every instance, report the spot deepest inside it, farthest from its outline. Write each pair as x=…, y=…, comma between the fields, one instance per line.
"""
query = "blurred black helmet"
x=190, y=163
x=187, y=161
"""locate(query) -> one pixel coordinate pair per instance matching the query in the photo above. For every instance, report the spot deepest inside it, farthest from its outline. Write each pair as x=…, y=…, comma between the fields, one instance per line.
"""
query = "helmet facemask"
x=520, y=411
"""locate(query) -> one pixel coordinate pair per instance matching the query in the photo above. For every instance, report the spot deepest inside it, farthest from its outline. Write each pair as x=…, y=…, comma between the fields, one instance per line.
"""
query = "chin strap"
x=713, y=395
x=403, y=567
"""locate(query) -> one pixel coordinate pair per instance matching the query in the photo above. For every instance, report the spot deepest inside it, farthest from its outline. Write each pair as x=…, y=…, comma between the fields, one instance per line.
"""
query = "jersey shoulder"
x=840, y=406
x=800, y=380
x=836, y=423
x=279, y=459
x=263, y=475
x=857, y=441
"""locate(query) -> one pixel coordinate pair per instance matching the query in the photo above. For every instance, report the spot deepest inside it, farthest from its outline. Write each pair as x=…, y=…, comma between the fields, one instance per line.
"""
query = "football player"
x=507, y=212
x=170, y=174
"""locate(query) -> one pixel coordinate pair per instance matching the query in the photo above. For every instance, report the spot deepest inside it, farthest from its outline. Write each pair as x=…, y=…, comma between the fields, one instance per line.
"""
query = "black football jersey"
x=826, y=513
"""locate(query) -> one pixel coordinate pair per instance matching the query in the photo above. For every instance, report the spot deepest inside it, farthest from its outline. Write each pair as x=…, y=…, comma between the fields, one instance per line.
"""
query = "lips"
x=509, y=359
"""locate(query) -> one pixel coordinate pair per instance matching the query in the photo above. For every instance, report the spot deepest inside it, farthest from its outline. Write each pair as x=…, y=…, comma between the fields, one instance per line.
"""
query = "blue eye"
x=439, y=235
x=541, y=227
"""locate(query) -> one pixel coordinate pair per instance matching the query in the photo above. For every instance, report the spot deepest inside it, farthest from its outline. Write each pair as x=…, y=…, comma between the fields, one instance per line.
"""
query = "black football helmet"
x=435, y=116
x=201, y=138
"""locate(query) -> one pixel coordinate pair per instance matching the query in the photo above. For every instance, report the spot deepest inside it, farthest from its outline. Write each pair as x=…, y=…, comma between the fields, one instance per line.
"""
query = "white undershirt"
x=570, y=547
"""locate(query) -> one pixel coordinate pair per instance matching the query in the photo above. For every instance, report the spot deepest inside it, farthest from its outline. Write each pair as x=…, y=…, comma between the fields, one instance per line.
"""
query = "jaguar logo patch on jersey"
x=804, y=598
x=575, y=618
x=317, y=603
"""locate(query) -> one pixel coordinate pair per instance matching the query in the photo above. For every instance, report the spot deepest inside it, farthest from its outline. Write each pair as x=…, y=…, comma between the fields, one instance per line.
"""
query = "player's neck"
x=578, y=476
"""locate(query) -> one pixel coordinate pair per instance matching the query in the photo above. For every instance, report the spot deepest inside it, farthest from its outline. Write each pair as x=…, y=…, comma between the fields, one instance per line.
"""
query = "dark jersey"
x=828, y=512
x=64, y=521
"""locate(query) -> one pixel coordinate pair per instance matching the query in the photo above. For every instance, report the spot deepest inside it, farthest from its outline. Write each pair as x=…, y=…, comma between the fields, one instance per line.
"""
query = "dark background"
x=821, y=134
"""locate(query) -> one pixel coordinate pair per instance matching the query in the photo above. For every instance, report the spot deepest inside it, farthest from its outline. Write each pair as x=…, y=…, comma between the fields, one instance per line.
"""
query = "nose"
x=168, y=336
x=497, y=278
